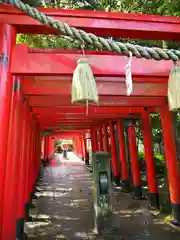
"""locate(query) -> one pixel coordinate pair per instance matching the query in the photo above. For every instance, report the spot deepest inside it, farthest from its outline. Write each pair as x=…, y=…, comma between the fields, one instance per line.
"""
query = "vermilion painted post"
x=46, y=140
x=172, y=163
x=76, y=140
x=22, y=172
x=85, y=151
x=92, y=141
x=38, y=153
x=114, y=154
x=77, y=146
x=36, y=156
x=36, y=164
x=28, y=167
x=53, y=145
x=7, y=42
x=74, y=145
x=123, y=157
x=135, y=162
x=32, y=173
x=10, y=200
x=82, y=144
x=95, y=140
x=150, y=163
x=80, y=147
x=43, y=147
x=105, y=138
x=100, y=138
x=49, y=147
x=39, y=139
x=29, y=143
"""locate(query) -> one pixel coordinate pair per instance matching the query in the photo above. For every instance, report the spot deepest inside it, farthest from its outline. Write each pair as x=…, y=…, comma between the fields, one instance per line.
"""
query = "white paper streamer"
x=128, y=73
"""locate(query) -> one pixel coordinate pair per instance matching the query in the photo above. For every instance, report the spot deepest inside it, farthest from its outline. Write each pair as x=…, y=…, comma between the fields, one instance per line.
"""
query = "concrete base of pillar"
x=20, y=235
x=138, y=193
x=28, y=218
x=31, y=205
x=116, y=180
x=33, y=196
x=87, y=162
x=125, y=186
x=45, y=162
x=153, y=201
x=176, y=214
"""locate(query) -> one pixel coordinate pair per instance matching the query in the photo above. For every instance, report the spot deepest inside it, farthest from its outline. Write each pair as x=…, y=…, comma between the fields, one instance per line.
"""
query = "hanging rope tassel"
x=174, y=88
x=84, y=90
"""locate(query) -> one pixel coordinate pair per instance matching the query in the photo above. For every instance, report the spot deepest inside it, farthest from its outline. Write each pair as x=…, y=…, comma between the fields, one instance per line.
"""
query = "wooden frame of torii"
x=35, y=95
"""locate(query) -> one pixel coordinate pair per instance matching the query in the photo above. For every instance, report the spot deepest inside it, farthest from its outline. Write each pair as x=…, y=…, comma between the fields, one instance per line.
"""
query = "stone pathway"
x=64, y=209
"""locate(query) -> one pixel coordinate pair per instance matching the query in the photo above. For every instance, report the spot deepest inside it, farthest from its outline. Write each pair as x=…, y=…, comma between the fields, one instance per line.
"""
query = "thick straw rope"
x=98, y=42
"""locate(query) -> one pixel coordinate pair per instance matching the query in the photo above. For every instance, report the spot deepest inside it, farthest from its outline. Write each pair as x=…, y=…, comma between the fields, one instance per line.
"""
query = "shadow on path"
x=64, y=209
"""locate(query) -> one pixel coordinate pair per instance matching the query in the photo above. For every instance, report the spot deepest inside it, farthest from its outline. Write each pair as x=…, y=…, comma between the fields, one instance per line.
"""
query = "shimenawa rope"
x=98, y=42
x=110, y=45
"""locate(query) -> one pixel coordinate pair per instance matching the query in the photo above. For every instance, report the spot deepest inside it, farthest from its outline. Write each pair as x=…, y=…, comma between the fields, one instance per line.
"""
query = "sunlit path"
x=64, y=209
x=72, y=159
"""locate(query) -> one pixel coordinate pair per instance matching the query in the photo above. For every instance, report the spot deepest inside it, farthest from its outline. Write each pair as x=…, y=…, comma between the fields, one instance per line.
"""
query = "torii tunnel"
x=35, y=95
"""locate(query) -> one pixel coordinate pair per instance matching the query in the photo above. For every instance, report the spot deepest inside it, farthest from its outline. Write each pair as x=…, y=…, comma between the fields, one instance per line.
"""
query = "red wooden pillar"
x=7, y=42
x=123, y=157
x=46, y=143
x=42, y=145
x=150, y=163
x=105, y=138
x=80, y=147
x=85, y=151
x=38, y=150
x=28, y=165
x=135, y=162
x=22, y=172
x=44, y=148
x=172, y=163
x=53, y=145
x=10, y=200
x=83, y=148
x=36, y=154
x=77, y=145
x=32, y=173
x=100, y=138
x=94, y=139
x=74, y=146
x=114, y=154
x=50, y=147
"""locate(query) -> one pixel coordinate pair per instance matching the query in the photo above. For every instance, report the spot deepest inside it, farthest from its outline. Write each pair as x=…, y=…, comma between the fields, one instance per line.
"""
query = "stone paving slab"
x=64, y=210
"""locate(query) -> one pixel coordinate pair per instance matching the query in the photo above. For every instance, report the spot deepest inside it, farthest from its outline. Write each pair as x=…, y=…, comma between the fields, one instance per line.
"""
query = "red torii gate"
x=40, y=100
x=76, y=137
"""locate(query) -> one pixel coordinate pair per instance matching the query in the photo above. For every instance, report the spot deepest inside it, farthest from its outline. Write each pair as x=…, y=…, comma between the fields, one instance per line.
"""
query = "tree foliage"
x=161, y=7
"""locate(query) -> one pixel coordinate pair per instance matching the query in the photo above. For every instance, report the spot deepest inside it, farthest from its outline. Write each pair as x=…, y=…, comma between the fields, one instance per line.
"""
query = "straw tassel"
x=174, y=88
x=84, y=90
